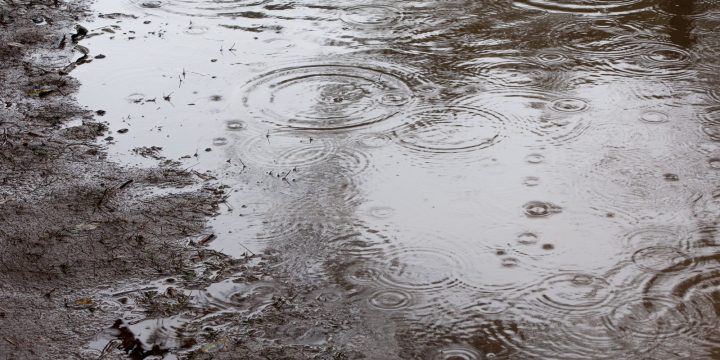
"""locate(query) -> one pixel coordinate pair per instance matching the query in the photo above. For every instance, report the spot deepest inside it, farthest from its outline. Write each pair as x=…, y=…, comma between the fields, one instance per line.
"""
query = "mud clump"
x=70, y=219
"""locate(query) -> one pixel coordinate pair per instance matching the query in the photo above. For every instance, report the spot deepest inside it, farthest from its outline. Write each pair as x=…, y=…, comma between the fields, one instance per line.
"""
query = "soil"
x=74, y=225
x=72, y=220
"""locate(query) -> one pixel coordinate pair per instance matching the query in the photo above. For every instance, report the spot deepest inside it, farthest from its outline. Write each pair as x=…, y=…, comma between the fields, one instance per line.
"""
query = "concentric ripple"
x=285, y=150
x=583, y=336
x=381, y=212
x=654, y=117
x=489, y=306
x=661, y=259
x=653, y=59
x=326, y=97
x=199, y=8
x=453, y=129
x=710, y=119
x=633, y=182
x=527, y=238
x=362, y=274
x=235, y=125
x=220, y=141
x=701, y=292
x=586, y=6
x=351, y=161
x=494, y=270
x=600, y=37
x=371, y=15
x=373, y=140
x=227, y=295
x=714, y=163
x=575, y=292
x=392, y=299
x=508, y=72
x=457, y=352
x=535, y=209
x=655, y=236
x=363, y=243
x=421, y=269
x=534, y=158
x=569, y=105
x=552, y=57
x=652, y=317
x=555, y=119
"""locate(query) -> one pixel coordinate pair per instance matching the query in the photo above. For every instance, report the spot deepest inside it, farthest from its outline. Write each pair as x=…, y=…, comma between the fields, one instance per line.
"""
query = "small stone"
x=123, y=131
x=101, y=112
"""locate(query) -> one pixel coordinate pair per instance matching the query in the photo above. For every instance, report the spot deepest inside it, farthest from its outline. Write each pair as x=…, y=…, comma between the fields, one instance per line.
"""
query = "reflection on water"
x=502, y=180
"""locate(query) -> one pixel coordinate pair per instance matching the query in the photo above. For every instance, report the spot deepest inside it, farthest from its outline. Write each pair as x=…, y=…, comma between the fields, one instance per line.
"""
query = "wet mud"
x=72, y=220
x=528, y=179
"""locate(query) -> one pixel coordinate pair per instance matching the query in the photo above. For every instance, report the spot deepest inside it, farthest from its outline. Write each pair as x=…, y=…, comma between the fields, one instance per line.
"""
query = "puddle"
x=496, y=179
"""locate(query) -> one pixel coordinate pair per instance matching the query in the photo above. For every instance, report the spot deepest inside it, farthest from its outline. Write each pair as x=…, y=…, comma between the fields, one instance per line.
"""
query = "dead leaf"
x=84, y=301
x=85, y=227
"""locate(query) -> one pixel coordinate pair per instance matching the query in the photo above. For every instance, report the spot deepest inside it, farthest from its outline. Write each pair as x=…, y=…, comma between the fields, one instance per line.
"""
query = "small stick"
x=102, y=198
x=224, y=201
x=126, y=184
x=253, y=254
x=106, y=350
x=207, y=239
x=196, y=73
x=191, y=166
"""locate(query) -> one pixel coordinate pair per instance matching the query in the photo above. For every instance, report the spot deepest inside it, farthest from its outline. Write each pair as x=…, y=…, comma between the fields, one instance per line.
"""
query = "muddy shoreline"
x=72, y=221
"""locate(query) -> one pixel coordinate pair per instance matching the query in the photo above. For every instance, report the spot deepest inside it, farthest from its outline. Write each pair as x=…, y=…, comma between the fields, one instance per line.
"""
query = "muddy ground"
x=75, y=224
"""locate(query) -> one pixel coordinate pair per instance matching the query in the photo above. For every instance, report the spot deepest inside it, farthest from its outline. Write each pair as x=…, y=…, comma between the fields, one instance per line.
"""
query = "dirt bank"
x=72, y=220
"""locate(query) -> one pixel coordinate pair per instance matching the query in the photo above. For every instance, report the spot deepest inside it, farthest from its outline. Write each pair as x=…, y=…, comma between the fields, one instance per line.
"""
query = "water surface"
x=527, y=179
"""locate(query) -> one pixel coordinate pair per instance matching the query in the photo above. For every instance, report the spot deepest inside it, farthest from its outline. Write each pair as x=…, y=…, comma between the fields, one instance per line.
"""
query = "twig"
x=207, y=239
x=196, y=73
x=102, y=198
x=191, y=166
x=126, y=184
x=250, y=251
x=106, y=350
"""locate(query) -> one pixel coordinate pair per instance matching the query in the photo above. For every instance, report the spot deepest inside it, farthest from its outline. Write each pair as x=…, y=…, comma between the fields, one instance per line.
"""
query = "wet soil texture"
x=496, y=179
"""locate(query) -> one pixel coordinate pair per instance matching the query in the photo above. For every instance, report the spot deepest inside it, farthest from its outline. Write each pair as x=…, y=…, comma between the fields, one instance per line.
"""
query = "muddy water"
x=505, y=180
